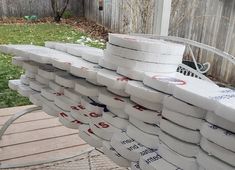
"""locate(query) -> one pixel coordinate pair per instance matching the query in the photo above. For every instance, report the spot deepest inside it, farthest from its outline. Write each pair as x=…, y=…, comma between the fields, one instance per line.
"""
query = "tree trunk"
x=57, y=18
x=58, y=12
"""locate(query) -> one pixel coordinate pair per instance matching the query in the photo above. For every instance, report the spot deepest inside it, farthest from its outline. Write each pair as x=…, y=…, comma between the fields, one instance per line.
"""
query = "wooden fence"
x=211, y=22
x=41, y=8
x=123, y=15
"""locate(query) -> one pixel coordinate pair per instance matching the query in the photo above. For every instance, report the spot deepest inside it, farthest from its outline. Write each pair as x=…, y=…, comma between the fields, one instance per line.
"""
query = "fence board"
x=41, y=8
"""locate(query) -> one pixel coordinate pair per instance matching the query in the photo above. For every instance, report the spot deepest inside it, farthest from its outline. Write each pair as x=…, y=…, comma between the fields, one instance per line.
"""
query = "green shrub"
x=67, y=14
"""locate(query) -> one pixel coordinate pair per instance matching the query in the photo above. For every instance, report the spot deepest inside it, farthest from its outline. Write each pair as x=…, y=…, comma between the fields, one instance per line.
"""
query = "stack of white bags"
x=129, y=101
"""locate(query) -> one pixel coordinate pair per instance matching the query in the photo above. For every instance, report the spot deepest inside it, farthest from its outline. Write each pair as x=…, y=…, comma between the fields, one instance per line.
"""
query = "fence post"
x=4, y=8
x=162, y=17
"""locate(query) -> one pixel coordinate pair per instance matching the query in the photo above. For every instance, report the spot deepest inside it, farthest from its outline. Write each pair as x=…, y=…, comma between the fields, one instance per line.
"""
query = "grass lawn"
x=35, y=34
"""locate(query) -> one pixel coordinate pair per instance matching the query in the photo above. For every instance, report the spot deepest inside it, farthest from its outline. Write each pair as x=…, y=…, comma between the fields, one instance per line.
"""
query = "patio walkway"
x=37, y=137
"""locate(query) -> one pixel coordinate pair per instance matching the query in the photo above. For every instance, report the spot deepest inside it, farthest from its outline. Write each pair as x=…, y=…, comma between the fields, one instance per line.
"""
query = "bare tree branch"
x=62, y=10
